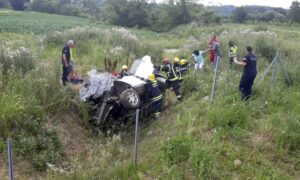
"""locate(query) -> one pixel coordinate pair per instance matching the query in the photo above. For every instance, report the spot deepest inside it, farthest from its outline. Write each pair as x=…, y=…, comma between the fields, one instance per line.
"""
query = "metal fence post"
x=274, y=69
x=285, y=73
x=214, y=81
x=136, y=136
x=10, y=162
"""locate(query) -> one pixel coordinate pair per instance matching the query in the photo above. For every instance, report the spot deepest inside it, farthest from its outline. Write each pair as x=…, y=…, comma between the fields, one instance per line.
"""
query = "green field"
x=193, y=139
x=37, y=23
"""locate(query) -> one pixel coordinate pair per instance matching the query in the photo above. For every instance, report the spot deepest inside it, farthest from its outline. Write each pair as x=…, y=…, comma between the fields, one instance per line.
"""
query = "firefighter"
x=124, y=71
x=172, y=77
x=184, y=67
x=177, y=68
x=154, y=94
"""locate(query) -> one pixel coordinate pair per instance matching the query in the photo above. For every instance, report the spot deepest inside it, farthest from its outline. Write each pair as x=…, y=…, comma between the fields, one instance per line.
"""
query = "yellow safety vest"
x=71, y=55
x=233, y=52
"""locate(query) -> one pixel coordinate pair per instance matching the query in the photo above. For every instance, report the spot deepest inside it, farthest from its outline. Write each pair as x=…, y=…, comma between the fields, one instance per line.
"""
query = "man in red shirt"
x=210, y=46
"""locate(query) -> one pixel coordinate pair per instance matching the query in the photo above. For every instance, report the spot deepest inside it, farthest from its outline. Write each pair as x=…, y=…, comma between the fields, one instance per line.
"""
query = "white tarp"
x=98, y=84
x=145, y=68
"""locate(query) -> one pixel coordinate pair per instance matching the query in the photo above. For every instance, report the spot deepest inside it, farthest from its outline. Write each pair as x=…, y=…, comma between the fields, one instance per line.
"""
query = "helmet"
x=176, y=60
x=125, y=67
x=151, y=77
x=183, y=62
x=166, y=61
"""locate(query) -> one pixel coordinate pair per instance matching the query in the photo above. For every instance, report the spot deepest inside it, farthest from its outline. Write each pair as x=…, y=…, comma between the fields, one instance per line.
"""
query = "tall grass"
x=194, y=139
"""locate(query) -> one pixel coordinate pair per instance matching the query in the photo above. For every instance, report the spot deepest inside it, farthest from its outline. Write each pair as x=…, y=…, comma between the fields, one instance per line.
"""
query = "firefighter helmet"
x=176, y=60
x=183, y=62
x=151, y=77
x=125, y=67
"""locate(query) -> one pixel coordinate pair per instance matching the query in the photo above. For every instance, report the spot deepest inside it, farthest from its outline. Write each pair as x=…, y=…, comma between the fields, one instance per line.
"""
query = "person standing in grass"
x=198, y=58
x=67, y=57
x=210, y=46
x=249, y=73
x=232, y=52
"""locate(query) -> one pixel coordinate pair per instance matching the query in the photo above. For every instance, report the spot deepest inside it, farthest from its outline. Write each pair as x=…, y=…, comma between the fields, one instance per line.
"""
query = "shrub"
x=265, y=48
x=290, y=138
x=189, y=85
x=201, y=162
x=177, y=150
x=11, y=111
x=258, y=28
x=42, y=148
x=235, y=115
x=1, y=146
x=20, y=60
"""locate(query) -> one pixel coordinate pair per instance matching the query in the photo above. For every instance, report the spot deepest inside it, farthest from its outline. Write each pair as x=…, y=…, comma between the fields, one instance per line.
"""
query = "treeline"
x=156, y=17
x=262, y=13
x=129, y=13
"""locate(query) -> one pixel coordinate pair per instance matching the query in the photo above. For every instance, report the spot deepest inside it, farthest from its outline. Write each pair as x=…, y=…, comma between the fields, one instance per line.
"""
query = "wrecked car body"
x=113, y=101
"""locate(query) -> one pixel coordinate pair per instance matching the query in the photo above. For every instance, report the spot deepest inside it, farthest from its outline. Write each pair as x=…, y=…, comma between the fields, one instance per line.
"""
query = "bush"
x=12, y=109
x=233, y=116
x=177, y=150
x=41, y=148
x=1, y=146
x=20, y=60
x=201, y=162
x=190, y=84
x=290, y=138
x=265, y=48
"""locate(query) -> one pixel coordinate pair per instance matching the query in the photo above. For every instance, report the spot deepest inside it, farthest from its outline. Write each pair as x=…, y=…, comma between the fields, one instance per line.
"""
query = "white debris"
x=98, y=84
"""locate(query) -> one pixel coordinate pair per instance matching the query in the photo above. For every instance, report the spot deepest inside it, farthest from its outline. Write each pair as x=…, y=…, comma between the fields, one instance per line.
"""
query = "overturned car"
x=113, y=101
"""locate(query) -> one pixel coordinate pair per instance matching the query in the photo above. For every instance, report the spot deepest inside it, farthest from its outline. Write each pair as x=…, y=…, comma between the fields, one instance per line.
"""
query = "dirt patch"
x=3, y=165
x=259, y=140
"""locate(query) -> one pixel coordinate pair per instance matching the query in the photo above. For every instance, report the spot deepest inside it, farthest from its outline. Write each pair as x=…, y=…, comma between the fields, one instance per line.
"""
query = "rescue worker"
x=124, y=71
x=232, y=52
x=154, y=94
x=210, y=46
x=217, y=52
x=172, y=77
x=176, y=65
x=184, y=67
x=66, y=57
x=249, y=73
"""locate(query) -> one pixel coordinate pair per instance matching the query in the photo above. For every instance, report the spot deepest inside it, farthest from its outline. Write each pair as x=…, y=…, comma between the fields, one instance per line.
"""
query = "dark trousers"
x=65, y=74
x=230, y=60
x=156, y=107
x=175, y=87
x=246, y=86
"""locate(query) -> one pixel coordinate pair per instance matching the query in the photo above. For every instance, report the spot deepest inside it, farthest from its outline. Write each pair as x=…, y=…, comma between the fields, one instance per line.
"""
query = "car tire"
x=130, y=99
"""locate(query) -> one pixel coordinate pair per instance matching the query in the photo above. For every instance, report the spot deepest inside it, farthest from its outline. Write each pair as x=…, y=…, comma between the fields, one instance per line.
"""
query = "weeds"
x=196, y=139
x=177, y=150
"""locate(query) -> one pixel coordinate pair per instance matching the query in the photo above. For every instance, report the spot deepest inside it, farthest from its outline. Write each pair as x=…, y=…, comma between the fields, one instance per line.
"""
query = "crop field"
x=193, y=139
x=36, y=23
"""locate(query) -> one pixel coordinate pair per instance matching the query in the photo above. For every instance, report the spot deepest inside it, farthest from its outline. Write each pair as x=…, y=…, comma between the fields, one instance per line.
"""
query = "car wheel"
x=130, y=99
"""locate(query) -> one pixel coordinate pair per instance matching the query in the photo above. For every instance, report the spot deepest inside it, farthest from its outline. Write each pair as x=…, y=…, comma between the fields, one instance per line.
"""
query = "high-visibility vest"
x=71, y=55
x=155, y=93
x=171, y=74
x=233, y=51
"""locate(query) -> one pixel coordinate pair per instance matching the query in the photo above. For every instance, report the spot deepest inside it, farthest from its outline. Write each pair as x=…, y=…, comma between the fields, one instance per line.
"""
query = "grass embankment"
x=192, y=140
